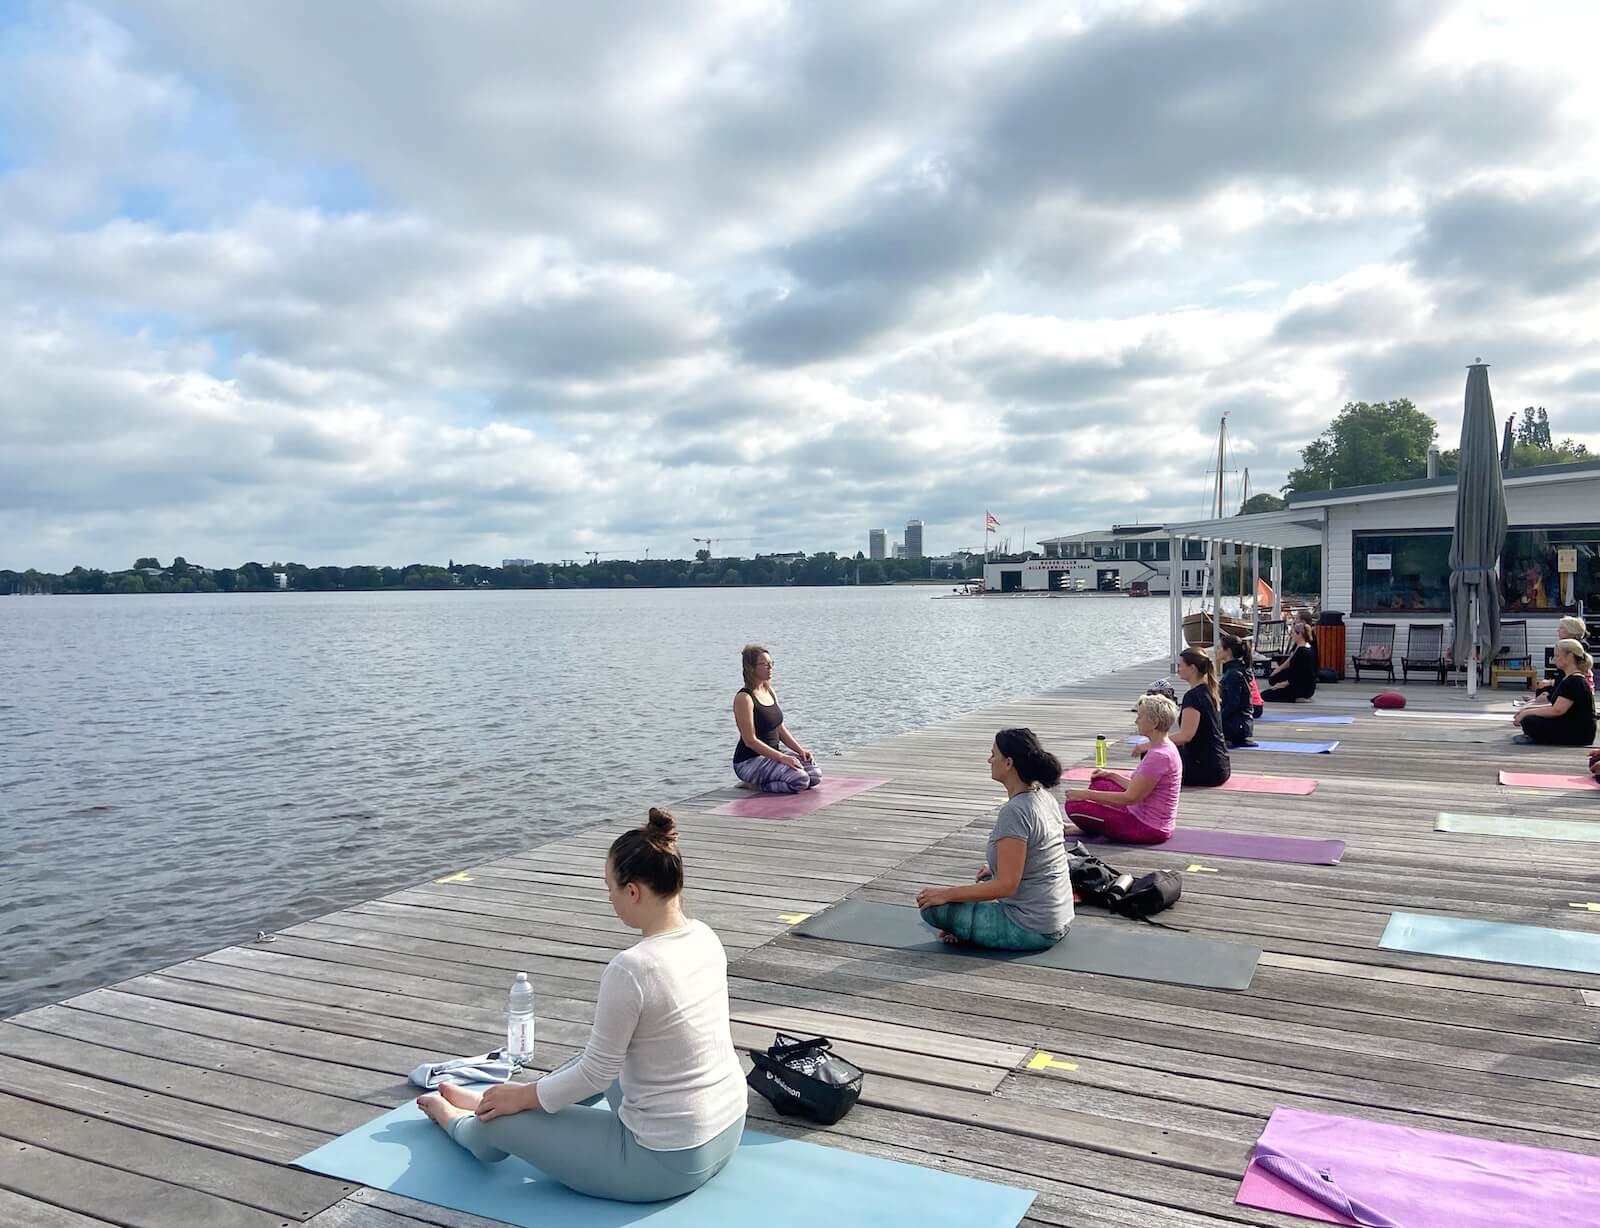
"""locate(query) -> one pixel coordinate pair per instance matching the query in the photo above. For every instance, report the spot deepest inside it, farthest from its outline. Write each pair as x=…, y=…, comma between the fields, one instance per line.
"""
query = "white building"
x=877, y=543
x=1102, y=560
x=1386, y=548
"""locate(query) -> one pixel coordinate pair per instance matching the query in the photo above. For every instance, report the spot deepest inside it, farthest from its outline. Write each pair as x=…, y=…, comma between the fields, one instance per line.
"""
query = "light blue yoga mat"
x=773, y=1182
x=1285, y=718
x=1531, y=946
x=1293, y=748
x=1587, y=832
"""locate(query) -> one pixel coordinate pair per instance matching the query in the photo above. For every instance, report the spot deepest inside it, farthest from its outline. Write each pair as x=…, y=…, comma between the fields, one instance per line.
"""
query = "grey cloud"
x=1356, y=314
x=1543, y=244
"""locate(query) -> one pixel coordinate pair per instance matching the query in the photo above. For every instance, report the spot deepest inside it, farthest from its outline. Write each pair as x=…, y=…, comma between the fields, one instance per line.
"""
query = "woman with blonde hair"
x=759, y=759
x=1569, y=628
x=1296, y=678
x=1137, y=809
x=1567, y=717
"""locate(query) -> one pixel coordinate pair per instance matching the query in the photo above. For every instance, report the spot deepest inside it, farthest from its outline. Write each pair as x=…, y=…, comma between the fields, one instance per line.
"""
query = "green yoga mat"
x=1509, y=825
x=1118, y=948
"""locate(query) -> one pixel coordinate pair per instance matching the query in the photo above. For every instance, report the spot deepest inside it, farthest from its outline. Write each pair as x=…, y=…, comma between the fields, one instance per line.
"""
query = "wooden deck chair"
x=1513, y=660
x=1271, y=644
x=1375, y=654
x=1425, y=651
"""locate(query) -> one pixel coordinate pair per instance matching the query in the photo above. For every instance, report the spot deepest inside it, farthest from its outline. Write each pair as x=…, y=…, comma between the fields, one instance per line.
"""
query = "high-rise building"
x=899, y=550
x=913, y=539
x=877, y=544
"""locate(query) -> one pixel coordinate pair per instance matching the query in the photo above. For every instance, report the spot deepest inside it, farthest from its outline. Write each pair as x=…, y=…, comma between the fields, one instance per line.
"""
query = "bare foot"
x=945, y=936
x=439, y=1110
x=461, y=1097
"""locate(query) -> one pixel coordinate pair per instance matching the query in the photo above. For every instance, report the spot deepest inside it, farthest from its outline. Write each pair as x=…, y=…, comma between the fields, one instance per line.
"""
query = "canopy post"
x=1277, y=584
x=1472, y=655
x=1175, y=600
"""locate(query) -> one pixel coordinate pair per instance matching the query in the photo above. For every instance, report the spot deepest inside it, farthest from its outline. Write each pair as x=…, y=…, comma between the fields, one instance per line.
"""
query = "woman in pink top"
x=1143, y=808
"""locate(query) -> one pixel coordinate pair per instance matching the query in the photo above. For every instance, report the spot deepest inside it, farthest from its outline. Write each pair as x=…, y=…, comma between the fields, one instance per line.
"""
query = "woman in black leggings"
x=1296, y=678
x=1567, y=717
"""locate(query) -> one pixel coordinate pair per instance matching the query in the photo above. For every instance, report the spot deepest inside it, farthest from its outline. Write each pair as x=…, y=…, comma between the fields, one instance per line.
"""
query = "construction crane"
x=710, y=543
x=594, y=555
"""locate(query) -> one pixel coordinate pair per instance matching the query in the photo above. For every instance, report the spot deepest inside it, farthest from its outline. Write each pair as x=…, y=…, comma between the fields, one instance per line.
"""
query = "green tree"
x=1379, y=441
x=1263, y=502
x=146, y=562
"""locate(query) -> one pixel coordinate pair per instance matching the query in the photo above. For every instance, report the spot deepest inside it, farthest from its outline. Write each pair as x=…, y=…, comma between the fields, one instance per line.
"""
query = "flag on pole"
x=989, y=522
x=1263, y=594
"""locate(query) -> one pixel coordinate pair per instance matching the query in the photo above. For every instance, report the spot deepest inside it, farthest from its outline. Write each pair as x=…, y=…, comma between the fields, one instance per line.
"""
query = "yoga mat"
x=1301, y=748
x=771, y=1181
x=1548, y=780
x=1125, y=949
x=1510, y=825
x=1285, y=718
x=1242, y=844
x=793, y=805
x=1530, y=946
x=1292, y=748
x=1416, y=1178
x=1503, y=717
x=1239, y=782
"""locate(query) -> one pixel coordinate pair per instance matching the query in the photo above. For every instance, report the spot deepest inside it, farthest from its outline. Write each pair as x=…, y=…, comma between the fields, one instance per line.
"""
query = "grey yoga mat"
x=1117, y=948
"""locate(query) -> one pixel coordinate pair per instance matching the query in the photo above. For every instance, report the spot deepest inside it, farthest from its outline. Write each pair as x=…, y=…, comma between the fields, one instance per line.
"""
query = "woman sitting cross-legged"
x=1296, y=678
x=1566, y=718
x=759, y=760
x=1022, y=897
x=1568, y=628
x=660, y=1051
x=1237, y=708
x=1143, y=808
x=1198, y=734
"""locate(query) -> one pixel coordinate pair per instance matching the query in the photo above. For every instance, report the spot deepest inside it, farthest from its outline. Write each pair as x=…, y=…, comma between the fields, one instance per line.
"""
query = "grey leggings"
x=591, y=1151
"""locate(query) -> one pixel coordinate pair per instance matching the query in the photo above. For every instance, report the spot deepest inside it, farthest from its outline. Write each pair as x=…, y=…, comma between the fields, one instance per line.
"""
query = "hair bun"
x=662, y=827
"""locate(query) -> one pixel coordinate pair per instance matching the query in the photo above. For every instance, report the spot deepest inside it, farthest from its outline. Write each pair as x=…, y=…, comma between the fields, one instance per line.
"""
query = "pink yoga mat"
x=793, y=805
x=1547, y=780
x=1415, y=1178
x=1239, y=782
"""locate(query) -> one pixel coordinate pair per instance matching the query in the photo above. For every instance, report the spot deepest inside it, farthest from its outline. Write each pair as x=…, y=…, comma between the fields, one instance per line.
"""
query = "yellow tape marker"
x=1590, y=907
x=1048, y=1061
x=793, y=918
x=1199, y=869
x=461, y=877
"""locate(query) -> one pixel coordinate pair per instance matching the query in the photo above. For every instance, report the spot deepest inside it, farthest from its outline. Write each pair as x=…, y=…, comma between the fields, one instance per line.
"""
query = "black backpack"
x=1140, y=898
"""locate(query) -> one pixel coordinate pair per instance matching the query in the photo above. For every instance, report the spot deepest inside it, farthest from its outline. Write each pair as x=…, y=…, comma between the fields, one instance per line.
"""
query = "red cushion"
x=1389, y=699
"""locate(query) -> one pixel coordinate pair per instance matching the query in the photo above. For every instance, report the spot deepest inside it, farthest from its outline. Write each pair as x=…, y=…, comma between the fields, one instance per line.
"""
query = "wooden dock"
x=180, y=1097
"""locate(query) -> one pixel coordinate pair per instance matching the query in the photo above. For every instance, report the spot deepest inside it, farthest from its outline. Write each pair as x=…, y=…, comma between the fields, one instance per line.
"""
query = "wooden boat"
x=1197, y=628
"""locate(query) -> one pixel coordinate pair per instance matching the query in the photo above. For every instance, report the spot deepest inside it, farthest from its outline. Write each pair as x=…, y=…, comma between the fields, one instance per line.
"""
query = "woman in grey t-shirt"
x=1022, y=897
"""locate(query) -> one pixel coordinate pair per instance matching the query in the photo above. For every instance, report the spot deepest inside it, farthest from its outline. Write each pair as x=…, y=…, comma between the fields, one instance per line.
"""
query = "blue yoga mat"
x=1531, y=946
x=1293, y=748
x=1286, y=718
x=774, y=1182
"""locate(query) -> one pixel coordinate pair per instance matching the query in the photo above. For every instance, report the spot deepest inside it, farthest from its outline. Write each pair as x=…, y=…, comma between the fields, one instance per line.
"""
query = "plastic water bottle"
x=1100, y=751
x=519, y=1021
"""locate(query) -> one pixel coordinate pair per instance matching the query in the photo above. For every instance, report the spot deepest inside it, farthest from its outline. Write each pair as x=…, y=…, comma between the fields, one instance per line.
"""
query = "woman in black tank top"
x=759, y=758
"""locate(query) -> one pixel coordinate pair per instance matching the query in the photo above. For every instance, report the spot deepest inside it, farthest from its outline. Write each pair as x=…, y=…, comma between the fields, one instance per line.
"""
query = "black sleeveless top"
x=768, y=719
x=1205, y=756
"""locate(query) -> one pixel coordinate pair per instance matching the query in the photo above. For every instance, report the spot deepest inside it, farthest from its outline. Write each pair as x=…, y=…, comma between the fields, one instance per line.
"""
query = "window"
x=1402, y=572
x=1531, y=579
x=1163, y=552
x=1193, y=549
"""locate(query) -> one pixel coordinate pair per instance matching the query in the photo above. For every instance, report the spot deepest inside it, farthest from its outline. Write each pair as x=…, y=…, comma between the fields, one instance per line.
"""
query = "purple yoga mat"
x=793, y=805
x=1239, y=782
x=1243, y=844
x=1547, y=780
x=1313, y=1164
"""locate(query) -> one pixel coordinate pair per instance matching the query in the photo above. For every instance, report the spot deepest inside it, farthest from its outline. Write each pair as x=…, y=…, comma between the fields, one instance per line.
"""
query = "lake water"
x=179, y=772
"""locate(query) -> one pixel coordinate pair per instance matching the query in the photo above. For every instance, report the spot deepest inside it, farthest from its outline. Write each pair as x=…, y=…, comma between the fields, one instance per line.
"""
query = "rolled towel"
x=490, y=1067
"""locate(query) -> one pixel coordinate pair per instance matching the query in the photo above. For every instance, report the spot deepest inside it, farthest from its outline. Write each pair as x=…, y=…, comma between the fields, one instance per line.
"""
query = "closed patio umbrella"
x=1480, y=533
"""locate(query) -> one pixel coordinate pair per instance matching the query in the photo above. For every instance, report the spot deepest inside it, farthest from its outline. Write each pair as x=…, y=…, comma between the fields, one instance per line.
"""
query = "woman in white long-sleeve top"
x=661, y=1051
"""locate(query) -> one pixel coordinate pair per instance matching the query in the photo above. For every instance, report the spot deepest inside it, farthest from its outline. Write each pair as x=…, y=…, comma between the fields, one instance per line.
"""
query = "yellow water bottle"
x=1100, y=751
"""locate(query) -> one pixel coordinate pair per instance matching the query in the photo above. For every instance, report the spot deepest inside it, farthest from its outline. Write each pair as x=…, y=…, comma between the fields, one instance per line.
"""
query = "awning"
x=1287, y=529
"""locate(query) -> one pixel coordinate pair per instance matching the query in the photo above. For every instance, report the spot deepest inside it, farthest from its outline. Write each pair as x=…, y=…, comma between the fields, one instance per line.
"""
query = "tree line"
x=148, y=575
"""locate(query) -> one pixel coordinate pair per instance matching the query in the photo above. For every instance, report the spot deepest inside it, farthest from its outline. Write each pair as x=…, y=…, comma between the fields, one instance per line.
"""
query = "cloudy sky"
x=377, y=283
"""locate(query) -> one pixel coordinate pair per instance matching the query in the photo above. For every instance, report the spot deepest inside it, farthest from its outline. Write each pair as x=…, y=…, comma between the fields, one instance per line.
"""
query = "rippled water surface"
x=179, y=772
